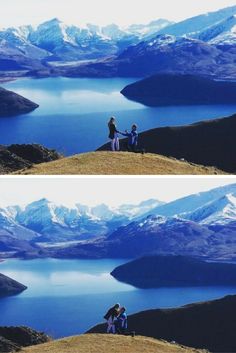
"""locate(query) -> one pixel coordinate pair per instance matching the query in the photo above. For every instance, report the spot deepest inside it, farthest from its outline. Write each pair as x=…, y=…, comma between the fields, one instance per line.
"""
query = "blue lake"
x=73, y=113
x=68, y=297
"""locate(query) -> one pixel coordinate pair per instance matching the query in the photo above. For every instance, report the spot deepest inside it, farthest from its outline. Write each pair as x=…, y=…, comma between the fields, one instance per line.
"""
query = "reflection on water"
x=68, y=297
x=62, y=278
x=73, y=113
x=74, y=96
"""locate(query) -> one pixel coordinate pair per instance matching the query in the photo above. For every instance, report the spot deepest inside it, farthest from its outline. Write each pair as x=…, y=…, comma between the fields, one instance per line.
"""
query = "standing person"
x=132, y=138
x=113, y=135
x=122, y=322
x=110, y=317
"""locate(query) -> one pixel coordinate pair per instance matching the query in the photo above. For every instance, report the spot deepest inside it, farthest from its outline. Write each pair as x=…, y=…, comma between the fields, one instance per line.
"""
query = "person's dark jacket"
x=112, y=312
x=113, y=130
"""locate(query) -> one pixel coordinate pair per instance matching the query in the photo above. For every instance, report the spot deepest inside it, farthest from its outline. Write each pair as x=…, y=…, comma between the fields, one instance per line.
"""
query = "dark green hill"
x=167, y=271
x=170, y=89
x=208, y=325
x=13, y=104
x=209, y=143
x=9, y=286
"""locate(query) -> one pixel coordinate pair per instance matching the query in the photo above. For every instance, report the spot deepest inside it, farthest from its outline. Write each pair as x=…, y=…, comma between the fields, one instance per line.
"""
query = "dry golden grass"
x=118, y=163
x=96, y=343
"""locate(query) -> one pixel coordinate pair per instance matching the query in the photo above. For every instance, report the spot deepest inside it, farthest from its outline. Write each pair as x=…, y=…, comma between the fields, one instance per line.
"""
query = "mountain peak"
x=42, y=201
x=218, y=211
x=55, y=20
x=199, y=23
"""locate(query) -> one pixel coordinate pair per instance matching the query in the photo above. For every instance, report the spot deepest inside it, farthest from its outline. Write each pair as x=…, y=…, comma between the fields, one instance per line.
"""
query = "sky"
x=109, y=190
x=102, y=12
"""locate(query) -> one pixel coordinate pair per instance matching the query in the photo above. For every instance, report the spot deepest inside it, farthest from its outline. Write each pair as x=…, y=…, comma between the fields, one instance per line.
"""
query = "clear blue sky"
x=110, y=190
x=123, y=12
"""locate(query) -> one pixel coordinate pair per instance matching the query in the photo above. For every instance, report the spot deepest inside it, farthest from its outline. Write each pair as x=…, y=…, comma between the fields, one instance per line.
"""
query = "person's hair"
x=117, y=306
x=134, y=126
x=112, y=119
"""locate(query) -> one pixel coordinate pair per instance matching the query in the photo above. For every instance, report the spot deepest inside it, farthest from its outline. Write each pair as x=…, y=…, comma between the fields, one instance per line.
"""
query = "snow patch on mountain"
x=60, y=222
x=151, y=222
x=71, y=42
x=193, y=26
x=221, y=33
x=186, y=205
x=220, y=211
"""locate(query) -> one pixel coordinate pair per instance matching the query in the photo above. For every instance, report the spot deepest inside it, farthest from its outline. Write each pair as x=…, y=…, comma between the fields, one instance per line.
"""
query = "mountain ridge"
x=93, y=51
x=13, y=104
x=195, y=325
x=180, y=89
x=157, y=271
x=208, y=142
x=9, y=286
x=198, y=23
x=201, y=225
x=54, y=39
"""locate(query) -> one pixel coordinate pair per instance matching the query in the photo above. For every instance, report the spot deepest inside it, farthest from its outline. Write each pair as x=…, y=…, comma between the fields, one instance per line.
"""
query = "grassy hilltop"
x=97, y=343
x=118, y=163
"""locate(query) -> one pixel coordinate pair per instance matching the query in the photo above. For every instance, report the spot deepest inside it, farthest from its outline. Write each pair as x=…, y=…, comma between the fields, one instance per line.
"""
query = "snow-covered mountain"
x=167, y=53
x=55, y=40
x=195, y=46
x=59, y=223
x=202, y=224
x=184, y=206
x=216, y=207
x=215, y=28
x=42, y=214
x=193, y=26
x=47, y=221
x=223, y=33
x=136, y=211
x=126, y=211
x=220, y=211
x=154, y=234
x=10, y=227
x=146, y=30
x=16, y=40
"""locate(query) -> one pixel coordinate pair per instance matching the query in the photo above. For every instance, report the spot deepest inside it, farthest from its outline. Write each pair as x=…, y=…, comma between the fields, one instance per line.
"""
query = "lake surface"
x=70, y=296
x=73, y=113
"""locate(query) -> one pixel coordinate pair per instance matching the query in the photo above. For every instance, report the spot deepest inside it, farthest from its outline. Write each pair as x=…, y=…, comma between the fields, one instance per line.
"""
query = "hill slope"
x=16, y=157
x=209, y=143
x=170, y=89
x=13, y=104
x=209, y=325
x=9, y=286
x=12, y=339
x=108, y=344
x=166, y=271
x=122, y=163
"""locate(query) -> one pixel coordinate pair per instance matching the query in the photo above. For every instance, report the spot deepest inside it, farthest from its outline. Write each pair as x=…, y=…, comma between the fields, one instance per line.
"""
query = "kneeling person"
x=132, y=138
x=122, y=322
